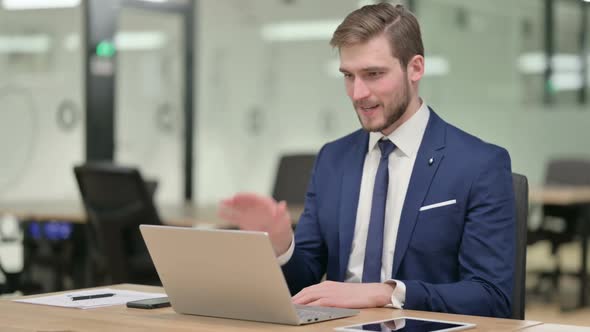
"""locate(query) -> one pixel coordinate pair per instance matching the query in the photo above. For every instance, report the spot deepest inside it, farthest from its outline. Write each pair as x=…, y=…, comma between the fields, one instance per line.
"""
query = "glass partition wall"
x=269, y=85
x=41, y=98
x=149, y=95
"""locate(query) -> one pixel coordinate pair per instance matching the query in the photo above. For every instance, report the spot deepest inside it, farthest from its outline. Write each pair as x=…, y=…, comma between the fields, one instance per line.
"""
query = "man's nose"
x=360, y=90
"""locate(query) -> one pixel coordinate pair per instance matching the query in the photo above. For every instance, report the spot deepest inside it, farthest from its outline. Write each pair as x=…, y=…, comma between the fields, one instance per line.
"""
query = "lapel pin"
x=430, y=161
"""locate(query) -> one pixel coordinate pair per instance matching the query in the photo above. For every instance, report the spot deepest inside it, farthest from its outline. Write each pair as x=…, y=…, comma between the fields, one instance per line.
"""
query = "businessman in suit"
x=409, y=212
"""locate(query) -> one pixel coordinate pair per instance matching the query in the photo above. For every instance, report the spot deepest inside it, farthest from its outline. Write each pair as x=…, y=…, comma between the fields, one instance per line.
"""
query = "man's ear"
x=416, y=68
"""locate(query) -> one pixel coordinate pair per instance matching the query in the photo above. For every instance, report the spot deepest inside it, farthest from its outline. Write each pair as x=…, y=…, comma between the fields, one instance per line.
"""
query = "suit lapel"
x=349, y=196
x=432, y=146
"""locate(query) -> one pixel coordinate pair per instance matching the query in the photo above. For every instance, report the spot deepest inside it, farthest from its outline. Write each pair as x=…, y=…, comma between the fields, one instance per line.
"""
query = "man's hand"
x=345, y=295
x=253, y=212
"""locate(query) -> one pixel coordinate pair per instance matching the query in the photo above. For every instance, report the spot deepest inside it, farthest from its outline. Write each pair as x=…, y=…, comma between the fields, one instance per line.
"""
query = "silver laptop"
x=229, y=274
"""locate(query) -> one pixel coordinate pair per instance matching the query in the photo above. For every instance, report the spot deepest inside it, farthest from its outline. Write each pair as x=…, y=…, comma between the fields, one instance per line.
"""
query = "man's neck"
x=413, y=107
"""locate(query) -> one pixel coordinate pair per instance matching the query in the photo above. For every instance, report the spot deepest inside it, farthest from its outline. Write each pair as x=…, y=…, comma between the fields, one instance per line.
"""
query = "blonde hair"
x=398, y=24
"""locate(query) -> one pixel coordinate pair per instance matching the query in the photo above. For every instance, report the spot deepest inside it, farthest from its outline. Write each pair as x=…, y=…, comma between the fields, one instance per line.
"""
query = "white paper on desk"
x=65, y=300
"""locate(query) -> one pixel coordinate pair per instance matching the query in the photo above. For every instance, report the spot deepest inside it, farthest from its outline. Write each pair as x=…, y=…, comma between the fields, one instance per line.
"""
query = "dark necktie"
x=374, y=247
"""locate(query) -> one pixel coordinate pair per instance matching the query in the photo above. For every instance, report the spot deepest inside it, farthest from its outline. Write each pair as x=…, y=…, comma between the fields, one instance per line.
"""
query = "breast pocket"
x=438, y=205
x=438, y=229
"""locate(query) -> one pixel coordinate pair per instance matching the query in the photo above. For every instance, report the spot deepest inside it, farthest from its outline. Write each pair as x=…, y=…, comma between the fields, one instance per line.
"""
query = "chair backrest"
x=568, y=171
x=117, y=201
x=292, y=178
x=521, y=195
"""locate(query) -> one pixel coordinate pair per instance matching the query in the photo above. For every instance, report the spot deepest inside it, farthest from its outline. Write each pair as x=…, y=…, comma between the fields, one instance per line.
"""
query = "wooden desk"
x=571, y=196
x=181, y=214
x=556, y=327
x=28, y=317
x=560, y=195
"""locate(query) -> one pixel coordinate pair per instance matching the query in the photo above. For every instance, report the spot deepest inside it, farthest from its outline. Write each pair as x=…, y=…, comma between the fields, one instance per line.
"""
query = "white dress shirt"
x=407, y=139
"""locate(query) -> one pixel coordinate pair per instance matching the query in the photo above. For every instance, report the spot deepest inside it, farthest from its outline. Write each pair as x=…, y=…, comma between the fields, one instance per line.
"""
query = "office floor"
x=547, y=308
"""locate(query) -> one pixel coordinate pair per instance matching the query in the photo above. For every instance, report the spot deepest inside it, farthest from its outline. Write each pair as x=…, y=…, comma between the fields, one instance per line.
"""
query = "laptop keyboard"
x=306, y=315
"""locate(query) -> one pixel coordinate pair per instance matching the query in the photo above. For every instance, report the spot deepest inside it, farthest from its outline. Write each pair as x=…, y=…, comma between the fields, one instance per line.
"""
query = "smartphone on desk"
x=159, y=302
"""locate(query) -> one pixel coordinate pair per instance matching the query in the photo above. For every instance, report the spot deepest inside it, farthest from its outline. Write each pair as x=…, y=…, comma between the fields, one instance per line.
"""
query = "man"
x=410, y=212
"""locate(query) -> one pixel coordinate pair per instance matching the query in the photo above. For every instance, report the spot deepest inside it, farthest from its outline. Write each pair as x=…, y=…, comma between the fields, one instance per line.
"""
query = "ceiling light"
x=142, y=40
x=362, y=3
x=536, y=62
x=24, y=44
x=38, y=4
x=299, y=31
x=435, y=65
x=566, y=81
x=125, y=41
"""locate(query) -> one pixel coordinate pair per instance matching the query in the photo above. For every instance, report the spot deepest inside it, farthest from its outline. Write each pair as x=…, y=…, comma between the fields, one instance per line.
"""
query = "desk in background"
x=571, y=196
x=560, y=195
x=181, y=214
x=64, y=253
x=27, y=317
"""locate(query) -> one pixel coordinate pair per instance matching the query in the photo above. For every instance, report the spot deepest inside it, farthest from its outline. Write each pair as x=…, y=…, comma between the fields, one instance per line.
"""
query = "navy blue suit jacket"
x=457, y=258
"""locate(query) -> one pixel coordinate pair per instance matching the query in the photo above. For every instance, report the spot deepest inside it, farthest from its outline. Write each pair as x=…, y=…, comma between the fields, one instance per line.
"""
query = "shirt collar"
x=408, y=136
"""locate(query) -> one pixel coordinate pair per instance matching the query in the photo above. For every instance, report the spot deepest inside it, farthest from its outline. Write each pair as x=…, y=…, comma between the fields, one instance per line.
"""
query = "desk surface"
x=29, y=317
x=556, y=327
x=560, y=195
x=182, y=214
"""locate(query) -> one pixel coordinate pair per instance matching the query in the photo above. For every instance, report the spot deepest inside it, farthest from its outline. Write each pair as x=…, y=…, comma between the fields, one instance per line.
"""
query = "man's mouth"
x=369, y=108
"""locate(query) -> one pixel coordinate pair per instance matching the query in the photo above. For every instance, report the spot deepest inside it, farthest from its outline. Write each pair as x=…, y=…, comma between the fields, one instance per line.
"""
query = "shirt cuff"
x=284, y=258
x=398, y=297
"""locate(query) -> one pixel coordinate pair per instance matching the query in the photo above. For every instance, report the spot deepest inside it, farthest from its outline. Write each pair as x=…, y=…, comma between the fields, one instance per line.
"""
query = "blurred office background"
x=265, y=83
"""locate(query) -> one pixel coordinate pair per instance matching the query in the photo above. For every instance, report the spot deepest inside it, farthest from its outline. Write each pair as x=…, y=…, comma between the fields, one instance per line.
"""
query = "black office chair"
x=559, y=225
x=521, y=195
x=292, y=178
x=117, y=200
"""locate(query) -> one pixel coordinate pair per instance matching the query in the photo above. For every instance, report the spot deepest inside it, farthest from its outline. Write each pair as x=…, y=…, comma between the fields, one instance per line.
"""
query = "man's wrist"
x=285, y=242
x=387, y=293
x=398, y=296
x=286, y=256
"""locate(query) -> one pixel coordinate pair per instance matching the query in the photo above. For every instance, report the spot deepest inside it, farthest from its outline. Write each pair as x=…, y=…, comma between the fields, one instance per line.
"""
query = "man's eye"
x=374, y=73
x=347, y=75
